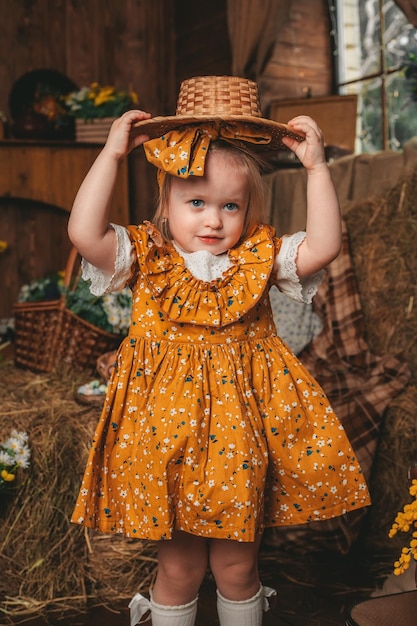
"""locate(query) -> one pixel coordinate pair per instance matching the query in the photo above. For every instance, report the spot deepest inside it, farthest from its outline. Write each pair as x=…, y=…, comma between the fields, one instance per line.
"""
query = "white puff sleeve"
x=101, y=282
x=285, y=269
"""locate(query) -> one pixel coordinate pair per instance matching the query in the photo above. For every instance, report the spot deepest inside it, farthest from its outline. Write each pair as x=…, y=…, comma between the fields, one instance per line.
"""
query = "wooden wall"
x=150, y=46
x=201, y=36
x=128, y=43
x=301, y=62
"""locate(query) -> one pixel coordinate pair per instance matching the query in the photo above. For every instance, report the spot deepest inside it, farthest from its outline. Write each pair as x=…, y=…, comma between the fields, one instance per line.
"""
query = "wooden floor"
x=313, y=590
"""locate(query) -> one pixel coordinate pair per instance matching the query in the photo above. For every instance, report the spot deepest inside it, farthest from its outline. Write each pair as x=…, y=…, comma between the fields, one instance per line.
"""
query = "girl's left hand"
x=310, y=151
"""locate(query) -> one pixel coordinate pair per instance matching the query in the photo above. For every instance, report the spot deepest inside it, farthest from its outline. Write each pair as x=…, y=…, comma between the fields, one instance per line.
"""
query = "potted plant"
x=95, y=108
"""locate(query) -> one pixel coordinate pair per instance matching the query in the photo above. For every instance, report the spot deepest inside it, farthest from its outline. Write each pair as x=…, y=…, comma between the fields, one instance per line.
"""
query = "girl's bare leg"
x=182, y=565
x=239, y=592
x=234, y=565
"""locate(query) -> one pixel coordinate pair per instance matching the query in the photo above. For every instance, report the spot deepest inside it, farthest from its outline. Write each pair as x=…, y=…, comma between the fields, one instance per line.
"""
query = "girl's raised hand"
x=311, y=151
x=122, y=138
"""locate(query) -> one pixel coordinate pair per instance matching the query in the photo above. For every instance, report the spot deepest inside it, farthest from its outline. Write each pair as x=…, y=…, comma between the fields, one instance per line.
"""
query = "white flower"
x=14, y=454
x=6, y=458
x=118, y=307
x=23, y=457
x=20, y=435
x=13, y=444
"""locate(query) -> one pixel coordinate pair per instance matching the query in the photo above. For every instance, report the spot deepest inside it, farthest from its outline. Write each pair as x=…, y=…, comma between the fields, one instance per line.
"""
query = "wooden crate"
x=336, y=116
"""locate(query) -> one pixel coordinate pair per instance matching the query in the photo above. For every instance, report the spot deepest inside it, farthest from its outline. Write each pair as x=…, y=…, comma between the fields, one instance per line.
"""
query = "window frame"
x=387, y=72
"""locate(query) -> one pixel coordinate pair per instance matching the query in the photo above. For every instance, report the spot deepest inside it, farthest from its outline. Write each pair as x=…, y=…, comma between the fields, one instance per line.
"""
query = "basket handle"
x=69, y=269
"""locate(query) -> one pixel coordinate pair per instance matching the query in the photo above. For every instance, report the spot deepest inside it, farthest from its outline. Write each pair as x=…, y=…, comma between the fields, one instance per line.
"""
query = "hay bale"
x=383, y=235
x=47, y=562
x=120, y=566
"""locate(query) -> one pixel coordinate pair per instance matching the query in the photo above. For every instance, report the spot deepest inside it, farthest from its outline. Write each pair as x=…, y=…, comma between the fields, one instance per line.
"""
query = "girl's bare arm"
x=88, y=225
x=323, y=227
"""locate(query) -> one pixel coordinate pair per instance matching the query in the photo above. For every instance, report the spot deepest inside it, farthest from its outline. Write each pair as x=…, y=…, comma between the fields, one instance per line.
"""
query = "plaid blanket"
x=359, y=385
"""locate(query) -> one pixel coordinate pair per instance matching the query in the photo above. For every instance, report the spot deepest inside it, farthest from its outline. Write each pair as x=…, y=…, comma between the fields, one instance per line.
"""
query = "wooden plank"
x=301, y=58
x=52, y=173
x=81, y=39
x=53, y=42
x=336, y=116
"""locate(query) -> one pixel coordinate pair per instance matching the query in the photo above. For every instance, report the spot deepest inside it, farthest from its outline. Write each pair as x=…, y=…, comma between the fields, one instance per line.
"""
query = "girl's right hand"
x=121, y=139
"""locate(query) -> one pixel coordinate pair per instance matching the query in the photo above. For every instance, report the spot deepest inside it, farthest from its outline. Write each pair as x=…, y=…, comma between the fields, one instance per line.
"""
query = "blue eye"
x=197, y=203
x=231, y=206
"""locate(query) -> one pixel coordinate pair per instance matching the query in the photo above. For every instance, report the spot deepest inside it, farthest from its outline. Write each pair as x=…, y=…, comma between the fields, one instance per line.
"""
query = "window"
x=372, y=40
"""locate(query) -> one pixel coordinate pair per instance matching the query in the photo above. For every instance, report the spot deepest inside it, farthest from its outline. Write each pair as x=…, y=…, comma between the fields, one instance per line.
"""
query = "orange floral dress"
x=211, y=425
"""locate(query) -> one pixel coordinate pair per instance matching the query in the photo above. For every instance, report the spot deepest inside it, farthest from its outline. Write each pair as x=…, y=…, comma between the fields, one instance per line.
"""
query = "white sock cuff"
x=240, y=603
x=140, y=609
x=183, y=609
x=262, y=596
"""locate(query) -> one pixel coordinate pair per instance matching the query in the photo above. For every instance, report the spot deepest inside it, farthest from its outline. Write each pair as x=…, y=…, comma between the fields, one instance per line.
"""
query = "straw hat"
x=221, y=99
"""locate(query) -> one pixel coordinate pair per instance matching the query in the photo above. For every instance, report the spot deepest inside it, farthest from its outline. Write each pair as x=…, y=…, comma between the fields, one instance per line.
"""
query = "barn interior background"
x=148, y=47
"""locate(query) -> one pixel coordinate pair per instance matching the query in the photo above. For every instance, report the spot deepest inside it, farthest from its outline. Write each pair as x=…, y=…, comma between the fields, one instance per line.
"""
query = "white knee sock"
x=162, y=615
x=243, y=612
x=183, y=615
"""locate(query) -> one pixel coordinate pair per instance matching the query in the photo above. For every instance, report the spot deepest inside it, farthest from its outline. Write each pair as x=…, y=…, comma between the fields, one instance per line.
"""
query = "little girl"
x=212, y=429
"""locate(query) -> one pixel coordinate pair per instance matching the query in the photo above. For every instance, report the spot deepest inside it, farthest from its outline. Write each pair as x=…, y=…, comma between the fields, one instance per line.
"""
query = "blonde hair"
x=245, y=162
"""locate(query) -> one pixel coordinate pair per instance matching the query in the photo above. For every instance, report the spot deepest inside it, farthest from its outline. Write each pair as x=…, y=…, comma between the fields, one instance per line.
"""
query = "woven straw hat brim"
x=158, y=126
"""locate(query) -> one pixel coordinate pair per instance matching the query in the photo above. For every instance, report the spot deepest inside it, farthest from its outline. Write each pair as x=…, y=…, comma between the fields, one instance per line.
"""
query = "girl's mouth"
x=209, y=239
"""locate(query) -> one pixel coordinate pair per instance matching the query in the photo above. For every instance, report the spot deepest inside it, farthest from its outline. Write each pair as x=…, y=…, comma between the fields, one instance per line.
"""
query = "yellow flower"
x=98, y=101
x=7, y=476
x=3, y=246
x=405, y=521
x=104, y=95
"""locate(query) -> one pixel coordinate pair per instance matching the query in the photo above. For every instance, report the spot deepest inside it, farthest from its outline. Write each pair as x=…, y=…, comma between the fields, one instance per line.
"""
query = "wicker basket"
x=48, y=334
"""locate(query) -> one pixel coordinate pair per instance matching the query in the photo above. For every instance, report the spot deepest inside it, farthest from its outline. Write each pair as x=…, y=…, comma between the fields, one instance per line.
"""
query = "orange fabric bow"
x=183, y=152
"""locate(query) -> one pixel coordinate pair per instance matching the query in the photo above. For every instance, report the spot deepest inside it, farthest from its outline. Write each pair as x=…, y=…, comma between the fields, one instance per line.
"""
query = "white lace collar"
x=204, y=265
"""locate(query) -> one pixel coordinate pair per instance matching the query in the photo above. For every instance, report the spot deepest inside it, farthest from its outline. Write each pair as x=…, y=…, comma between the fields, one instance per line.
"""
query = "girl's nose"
x=214, y=219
